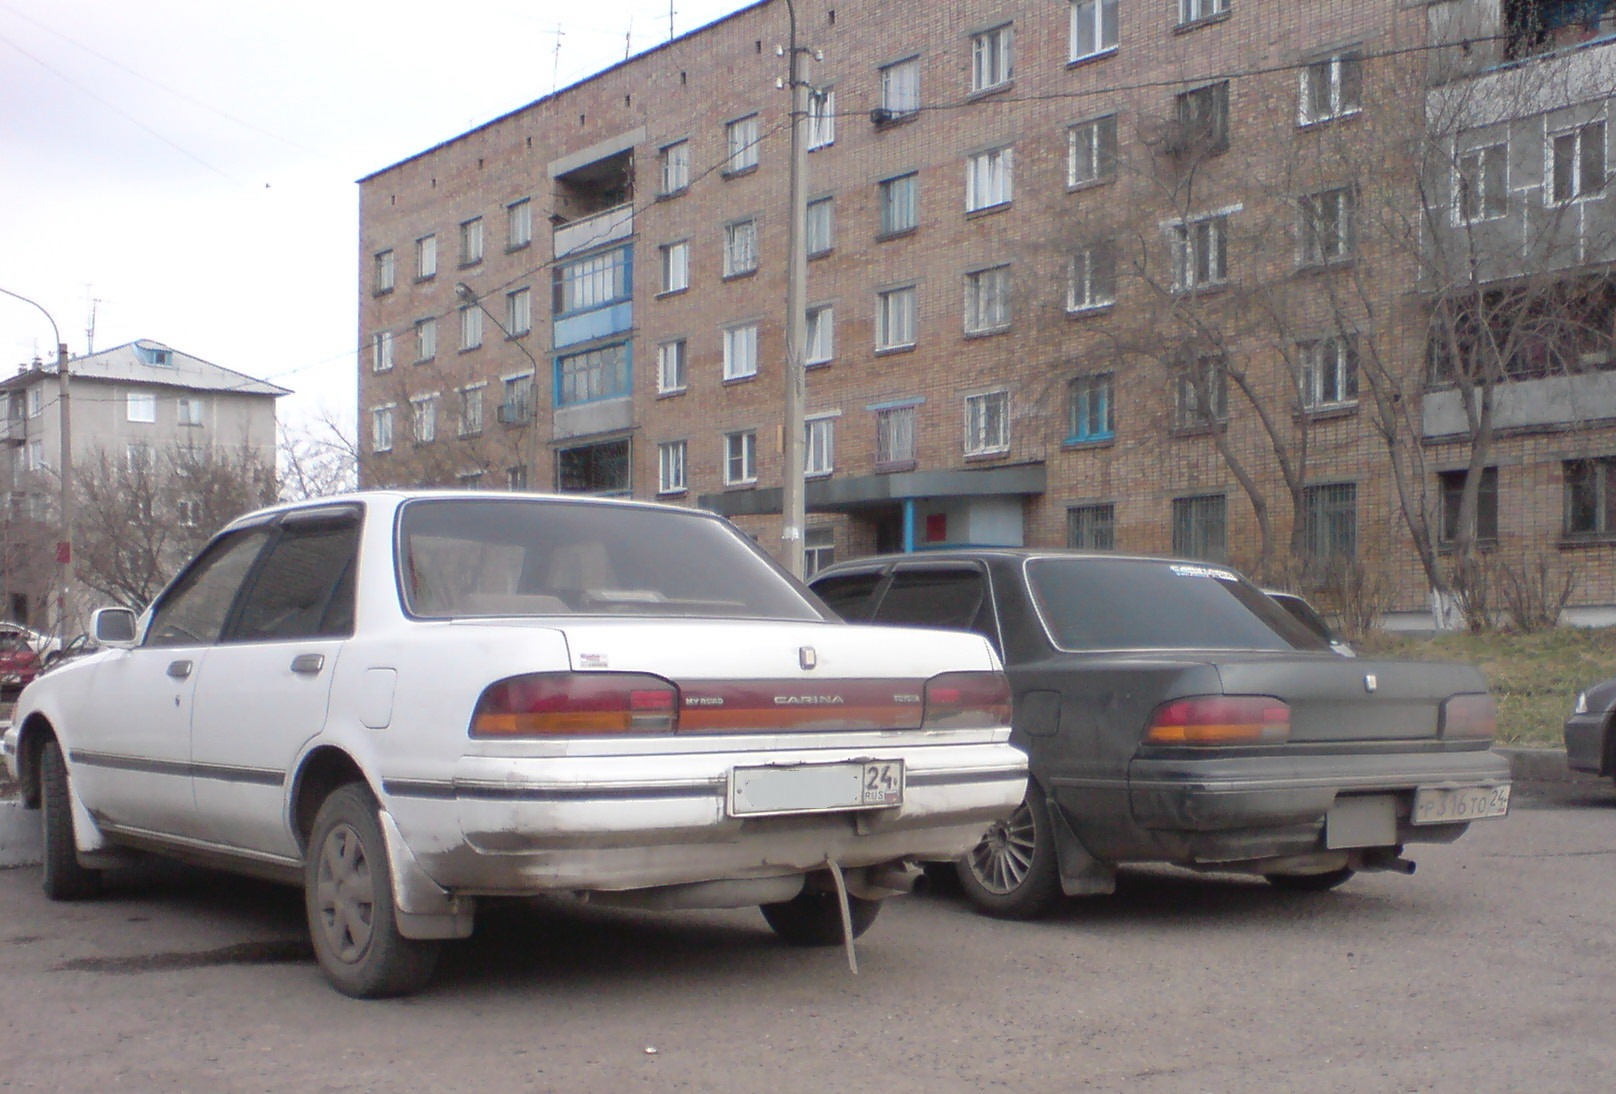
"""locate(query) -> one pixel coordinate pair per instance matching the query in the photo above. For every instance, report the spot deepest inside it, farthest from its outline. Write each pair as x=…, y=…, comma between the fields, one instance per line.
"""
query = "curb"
x=1541, y=765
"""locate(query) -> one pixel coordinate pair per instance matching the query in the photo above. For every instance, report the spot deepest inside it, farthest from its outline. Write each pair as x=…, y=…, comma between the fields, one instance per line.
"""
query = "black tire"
x=814, y=918
x=348, y=891
x=1310, y=883
x=1013, y=873
x=64, y=877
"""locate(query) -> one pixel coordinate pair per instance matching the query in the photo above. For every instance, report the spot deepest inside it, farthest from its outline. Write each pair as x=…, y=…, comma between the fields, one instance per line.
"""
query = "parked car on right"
x=1590, y=732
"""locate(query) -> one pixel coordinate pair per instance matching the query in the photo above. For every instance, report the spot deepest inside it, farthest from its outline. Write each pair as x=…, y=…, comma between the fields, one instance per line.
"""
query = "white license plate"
x=815, y=788
x=1466, y=803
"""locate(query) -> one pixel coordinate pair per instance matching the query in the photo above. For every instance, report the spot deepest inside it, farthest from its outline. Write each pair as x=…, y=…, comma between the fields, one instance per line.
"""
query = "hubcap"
x=1003, y=859
x=345, y=894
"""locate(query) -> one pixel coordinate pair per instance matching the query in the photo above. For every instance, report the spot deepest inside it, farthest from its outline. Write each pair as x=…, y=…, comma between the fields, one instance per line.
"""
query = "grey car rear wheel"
x=1013, y=872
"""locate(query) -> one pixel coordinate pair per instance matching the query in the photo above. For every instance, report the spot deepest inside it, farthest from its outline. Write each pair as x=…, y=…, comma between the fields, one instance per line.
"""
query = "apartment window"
x=140, y=406
x=600, y=468
x=188, y=411
x=1332, y=86
x=1200, y=252
x=516, y=478
x=519, y=312
x=593, y=374
x=1330, y=521
x=1091, y=151
x=424, y=418
x=1092, y=278
x=671, y=362
x=426, y=257
x=1481, y=186
x=900, y=204
x=471, y=480
x=821, y=227
x=1327, y=226
x=471, y=241
x=517, y=399
x=1201, y=393
x=900, y=89
x=821, y=118
x=137, y=456
x=1590, y=497
x=1090, y=408
x=1094, y=28
x=987, y=423
x=518, y=224
x=987, y=300
x=821, y=335
x=1199, y=529
x=188, y=511
x=1329, y=372
x=987, y=179
x=675, y=162
x=740, y=248
x=740, y=351
x=381, y=429
x=818, y=550
x=426, y=339
x=385, y=271
x=1092, y=527
x=1193, y=11
x=741, y=144
x=591, y=282
x=381, y=351
x=471, y=411
x=471, y=326
x=1203, y=119
x=819, y=445
x=1485, y=528
x=895, y=437
x=740, y=458
x=156, y=355
x=675, y=267
x=895, y=318
x=1579, y=162
x=671, y=467
x=35, y=458
x=36, y=401
x=992, y=58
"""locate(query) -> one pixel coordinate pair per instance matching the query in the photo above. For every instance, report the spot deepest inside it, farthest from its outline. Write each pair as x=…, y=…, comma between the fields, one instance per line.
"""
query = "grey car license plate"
x=1434, y=805
x=815, y=788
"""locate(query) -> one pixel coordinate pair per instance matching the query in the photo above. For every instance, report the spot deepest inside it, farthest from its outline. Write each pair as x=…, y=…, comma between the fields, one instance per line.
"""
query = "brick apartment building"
x=1153, y=277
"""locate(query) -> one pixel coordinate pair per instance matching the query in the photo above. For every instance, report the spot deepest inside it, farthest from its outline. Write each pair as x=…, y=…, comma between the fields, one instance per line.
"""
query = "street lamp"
x=64, y=546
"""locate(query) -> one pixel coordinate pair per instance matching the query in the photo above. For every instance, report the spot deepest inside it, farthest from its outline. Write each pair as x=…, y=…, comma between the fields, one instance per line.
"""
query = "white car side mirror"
x=114, y=627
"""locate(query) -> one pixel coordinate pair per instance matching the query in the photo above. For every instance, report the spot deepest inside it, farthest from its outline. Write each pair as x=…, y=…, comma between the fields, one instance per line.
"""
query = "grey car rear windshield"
x=1146, y=604
x=512, y=557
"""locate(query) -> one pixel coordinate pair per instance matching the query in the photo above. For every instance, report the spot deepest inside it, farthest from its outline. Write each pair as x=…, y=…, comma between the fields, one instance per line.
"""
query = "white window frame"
x=137, y=456
x=36, y=400
x=518, y=224
x=672, y=457
x=819, y=335
x=1339, y=71
x=673, y=362
x=1091, y=277
x=1093, y=29
x=741, y=351
x=140, y=407
x=895, y=435
x=1329, y=368
x=1328, y=223
x=987, y=423
x=519, y=311
x=381, y=351
x=381, y=428
x=675, y=266
x=741, y=140
x=740, y=457
x=426, y=339
x=896, y=318
x=740, y=248
x=471, y=326
x=1211, y=373
x=821, y=118
x=424, y=418
x=1481, y=199
x=987, y=300
x=471, y=409
x=674, y=160
x=906, y=185
x=386, y=271
x=1200, y=252
x=188, y=411
x=1193, y=11
x=1580, y=139
x=426, y=257
x=471, y=241
x=1091, y=151
x=993, y=58
x=900, y=88
x=989, y=179
x=819, y=444
x=819, y=234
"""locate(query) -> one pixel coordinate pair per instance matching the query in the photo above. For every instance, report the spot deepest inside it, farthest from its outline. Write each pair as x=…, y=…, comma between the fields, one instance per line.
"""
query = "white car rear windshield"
x=1146, y=604
x=462, y=558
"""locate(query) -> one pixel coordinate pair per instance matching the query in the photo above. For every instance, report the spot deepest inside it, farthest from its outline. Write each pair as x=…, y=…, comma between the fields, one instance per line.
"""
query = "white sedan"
x=407, y=700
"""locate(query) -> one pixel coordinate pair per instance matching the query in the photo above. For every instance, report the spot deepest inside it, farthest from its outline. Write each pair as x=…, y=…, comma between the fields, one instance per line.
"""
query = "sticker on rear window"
x=1204, y=571
x=591, y=660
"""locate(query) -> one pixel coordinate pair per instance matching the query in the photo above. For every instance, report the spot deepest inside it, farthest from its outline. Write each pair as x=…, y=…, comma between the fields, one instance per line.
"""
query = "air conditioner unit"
x=511, y=413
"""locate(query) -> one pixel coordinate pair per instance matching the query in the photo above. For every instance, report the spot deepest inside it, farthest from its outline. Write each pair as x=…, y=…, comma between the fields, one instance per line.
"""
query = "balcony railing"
x=593, y=231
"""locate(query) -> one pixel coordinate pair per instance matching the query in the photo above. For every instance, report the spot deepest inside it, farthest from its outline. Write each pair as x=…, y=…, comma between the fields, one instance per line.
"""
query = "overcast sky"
x=189, y=165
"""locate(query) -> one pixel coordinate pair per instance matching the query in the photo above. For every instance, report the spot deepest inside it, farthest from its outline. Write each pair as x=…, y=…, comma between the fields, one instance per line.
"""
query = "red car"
x=18, y=664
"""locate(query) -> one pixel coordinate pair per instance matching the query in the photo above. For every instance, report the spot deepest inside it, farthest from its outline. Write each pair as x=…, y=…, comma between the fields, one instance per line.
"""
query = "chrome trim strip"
x=254, y=776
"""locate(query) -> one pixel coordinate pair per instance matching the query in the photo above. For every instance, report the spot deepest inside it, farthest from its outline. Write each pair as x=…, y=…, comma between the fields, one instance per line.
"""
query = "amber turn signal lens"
x=1220, y=720
x=576, y=704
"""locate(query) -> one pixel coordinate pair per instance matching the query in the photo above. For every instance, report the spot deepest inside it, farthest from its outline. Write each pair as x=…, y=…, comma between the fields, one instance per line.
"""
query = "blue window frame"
x=1091, y=409
x=604, y=372
x=593, y=281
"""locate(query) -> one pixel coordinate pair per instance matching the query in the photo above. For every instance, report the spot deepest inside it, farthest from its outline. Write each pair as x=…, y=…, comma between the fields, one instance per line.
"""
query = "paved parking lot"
x=1487, y=971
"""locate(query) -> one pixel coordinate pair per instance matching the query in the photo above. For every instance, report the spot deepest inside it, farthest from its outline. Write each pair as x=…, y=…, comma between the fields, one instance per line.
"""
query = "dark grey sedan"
x=1174, y=713
x=1590, y=732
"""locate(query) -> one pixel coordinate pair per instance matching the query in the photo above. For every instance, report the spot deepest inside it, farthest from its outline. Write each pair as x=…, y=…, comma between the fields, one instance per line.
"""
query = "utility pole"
x=792, y=507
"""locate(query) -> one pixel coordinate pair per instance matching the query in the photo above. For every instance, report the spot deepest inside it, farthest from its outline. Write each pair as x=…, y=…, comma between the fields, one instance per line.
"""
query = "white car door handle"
x=308, y=663
x=179, y=670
